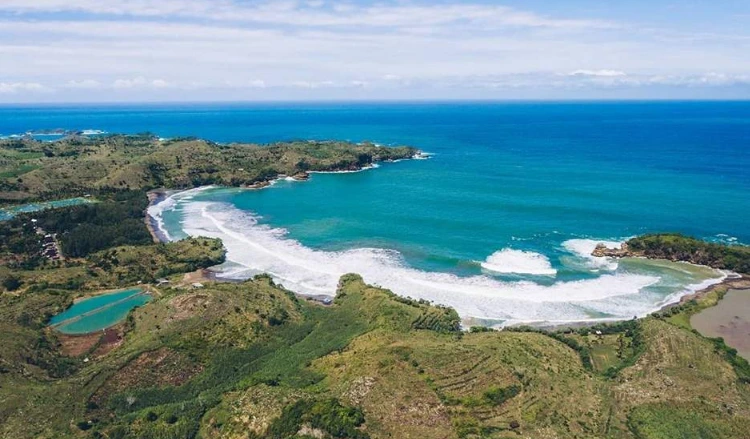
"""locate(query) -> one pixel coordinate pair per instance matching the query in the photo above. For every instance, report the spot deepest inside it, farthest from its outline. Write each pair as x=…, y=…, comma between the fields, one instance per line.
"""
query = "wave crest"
x=518, y=262
x=583, y=248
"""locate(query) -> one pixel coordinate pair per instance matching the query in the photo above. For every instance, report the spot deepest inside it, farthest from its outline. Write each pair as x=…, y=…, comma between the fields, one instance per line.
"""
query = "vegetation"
x=678, y=247
x=77, y=166
x=252, y=360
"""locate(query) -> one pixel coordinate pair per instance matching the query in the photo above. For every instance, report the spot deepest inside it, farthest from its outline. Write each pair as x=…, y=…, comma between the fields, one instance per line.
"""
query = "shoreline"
x=161, y=236
x=155, y=197
x=734, y=281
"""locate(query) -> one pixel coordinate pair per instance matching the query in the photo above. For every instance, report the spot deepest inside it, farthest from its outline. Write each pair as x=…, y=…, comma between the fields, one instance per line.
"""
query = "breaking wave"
x=583, y=248
x=253, y=248
x=518, y=262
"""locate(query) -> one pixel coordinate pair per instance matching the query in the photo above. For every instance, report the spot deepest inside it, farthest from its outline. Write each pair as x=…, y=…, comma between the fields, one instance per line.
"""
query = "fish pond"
x=99, y=312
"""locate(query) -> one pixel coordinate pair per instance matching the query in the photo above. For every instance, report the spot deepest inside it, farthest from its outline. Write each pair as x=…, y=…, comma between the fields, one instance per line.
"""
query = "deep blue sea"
x=499, y=222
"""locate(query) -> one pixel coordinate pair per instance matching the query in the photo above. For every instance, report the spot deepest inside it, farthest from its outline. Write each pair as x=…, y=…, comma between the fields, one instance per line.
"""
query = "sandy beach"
x=155, y=197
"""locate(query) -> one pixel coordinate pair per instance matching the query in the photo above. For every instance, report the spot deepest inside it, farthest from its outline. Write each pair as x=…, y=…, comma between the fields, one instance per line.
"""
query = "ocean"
x=499, y=222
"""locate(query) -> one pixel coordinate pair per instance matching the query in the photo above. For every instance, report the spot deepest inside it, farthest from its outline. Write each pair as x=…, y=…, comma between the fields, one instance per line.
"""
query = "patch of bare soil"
x=77, y=345
x=201, y=275
x=187, y=305
x=112, y=338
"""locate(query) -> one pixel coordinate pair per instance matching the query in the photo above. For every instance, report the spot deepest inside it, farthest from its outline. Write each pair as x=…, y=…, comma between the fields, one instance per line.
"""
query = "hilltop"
x=75, y=166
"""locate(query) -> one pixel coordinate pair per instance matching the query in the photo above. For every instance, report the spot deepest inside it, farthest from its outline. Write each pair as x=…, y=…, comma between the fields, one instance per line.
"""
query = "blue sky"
x=215, y=50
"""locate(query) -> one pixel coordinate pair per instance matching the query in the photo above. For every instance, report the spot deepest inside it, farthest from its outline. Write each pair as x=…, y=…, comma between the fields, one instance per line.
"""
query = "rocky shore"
x=602, y=251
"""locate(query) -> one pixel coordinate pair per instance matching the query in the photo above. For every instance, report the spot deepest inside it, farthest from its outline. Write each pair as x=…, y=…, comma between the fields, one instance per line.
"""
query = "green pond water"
x=10, y=212
x=99, y=312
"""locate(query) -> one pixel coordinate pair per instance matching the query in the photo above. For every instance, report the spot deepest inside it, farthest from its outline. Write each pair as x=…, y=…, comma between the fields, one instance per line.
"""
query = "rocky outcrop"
x=301, y=176
x=624, y=251
x=258, y=185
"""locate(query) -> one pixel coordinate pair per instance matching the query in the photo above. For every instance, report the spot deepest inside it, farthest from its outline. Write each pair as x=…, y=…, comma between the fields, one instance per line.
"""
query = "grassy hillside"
x=31, y=169
x=250, y=359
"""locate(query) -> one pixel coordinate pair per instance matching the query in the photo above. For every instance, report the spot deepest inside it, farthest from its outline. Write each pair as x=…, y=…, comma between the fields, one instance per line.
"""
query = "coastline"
x=216, y=276
x=733, y=281
x=152, y=224
x=156, y=196
x=730, y=282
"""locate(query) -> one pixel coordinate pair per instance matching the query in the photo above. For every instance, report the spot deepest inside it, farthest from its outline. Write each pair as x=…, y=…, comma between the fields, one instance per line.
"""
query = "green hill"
x=75, y=166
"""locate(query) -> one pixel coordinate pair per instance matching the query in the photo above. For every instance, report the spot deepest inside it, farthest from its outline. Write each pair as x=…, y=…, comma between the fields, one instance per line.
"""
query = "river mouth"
x=99, y=312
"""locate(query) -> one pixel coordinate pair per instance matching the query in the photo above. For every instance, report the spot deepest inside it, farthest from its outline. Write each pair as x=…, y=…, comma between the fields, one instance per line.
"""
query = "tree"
x=11, y=283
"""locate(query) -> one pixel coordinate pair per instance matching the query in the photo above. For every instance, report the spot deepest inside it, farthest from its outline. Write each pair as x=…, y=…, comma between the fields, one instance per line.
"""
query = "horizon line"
x=379, y=101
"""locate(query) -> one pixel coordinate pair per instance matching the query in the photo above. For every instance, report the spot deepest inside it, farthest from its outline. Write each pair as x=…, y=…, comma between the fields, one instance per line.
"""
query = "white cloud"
x=140, y=82
x=18, y=87
x=183, y=48
x=312, y=14
x=605, y=73
x=84, y=84
x=312, y=84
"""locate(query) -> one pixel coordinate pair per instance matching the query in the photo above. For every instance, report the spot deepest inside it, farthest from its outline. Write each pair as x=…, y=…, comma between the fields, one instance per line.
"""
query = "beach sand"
x=729, y=319
x=155, y=197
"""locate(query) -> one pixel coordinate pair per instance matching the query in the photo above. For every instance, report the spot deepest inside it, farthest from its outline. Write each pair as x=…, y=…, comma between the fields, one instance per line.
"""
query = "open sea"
x=499, y=222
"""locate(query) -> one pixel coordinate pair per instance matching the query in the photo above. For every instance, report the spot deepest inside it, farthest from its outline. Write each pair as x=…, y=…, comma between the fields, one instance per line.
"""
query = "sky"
x=246, y=50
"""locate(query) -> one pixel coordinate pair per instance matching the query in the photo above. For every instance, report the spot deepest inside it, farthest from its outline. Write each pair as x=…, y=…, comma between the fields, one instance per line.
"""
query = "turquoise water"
x=99, y=312
x=498, y=223
x=10, y=212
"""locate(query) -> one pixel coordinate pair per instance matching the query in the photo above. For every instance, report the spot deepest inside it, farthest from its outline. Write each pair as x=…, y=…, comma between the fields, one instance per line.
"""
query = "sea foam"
x=583, y=248
x=254, y=248
x=518, y=262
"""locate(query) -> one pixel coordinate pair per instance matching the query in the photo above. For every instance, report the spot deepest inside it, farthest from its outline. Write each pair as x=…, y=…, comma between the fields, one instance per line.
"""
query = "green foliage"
x=739, y=364
x=11, y=283
x=76, y=166
x=438, y=319
x=88, y=228
x=81, y=229
x=583, y=351
x=695, y=421
x=327, y=415
x=678, y=247
x=630, y=330
x=498, y=395
x=131, y=264
x=480, y=329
